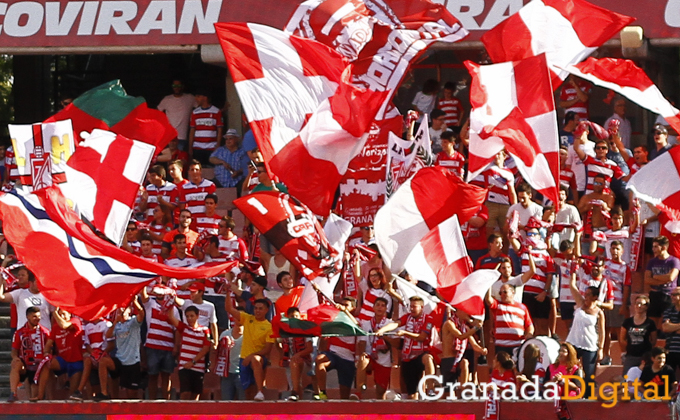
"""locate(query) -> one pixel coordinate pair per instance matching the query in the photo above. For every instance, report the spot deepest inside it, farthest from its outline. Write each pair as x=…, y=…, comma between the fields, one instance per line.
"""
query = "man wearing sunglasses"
x=598, y=165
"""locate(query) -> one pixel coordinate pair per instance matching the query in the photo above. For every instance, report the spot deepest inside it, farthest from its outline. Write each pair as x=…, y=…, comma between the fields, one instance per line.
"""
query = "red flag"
x=513, y=108
x=428, y=198
x=468, y=296
x=626, y=78
x=567, y=31
x=292, y=228
x=646, y=184
x=307, y=119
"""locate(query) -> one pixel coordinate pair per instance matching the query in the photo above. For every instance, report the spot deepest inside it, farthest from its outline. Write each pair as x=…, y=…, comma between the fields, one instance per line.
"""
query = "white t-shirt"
x=206, y=312
x=567, y=214
x=436, y=139
x=514, y=281
x=178, y=111
x=425, y=103
x=532, y=210
x=24, y=299
x=577, y=166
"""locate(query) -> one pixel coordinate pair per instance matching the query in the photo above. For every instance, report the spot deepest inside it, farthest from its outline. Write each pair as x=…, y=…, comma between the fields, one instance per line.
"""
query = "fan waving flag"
x=75, y=269
x=658, y=182
x=309, y=122
x=513, y=109
x=440, y=258
x=103, y=178
x=292, y=229
x=626, y=78
x=109, y=107
x=424, y=201
x=567, y=31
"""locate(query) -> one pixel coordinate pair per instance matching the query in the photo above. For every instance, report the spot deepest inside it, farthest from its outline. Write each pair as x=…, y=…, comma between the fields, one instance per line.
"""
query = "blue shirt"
x=128, y=339
x=238, y=160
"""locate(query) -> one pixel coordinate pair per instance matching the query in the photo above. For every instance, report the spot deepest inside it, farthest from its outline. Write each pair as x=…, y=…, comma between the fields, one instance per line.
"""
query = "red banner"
x=362, y=190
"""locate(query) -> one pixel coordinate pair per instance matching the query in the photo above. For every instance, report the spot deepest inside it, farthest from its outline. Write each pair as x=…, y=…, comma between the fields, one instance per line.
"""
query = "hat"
x=231, y=133
x=195, y=287
x=661, y=128
x=262, y=281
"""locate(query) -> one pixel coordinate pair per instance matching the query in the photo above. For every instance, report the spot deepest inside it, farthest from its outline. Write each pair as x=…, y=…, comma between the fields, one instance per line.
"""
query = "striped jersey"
x=453, y=110
x=234, y=248
x=193, y=196
x=496, y=180
x=606, y=167
x=160, y=230
x=205, y=122
x=619, y=275
x=160, y=334
x=566, y=268
x=95, y=334
x=544, y=266
x=344, y=347
x=208, y=223
x=193, y=341
x=511, y=321
x=168, y=192
x=412, y=348
x=368, y=301
x=454, y=164
x=182, y=262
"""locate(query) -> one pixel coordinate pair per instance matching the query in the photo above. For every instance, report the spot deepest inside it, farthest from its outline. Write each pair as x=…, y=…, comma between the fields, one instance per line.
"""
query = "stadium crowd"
x=600, y=261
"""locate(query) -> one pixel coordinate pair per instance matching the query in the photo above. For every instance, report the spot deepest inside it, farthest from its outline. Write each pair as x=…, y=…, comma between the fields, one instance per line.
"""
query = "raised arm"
x=575, y=293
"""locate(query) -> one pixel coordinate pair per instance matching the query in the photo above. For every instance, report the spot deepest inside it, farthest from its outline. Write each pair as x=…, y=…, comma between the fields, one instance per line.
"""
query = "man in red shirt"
x=28, y=350
x=67, y=336
x=168, y=250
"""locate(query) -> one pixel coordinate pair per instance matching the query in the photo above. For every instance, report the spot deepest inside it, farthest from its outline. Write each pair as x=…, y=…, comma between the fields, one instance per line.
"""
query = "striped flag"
x=75, y=269
x=567, y=31
x=646, y=183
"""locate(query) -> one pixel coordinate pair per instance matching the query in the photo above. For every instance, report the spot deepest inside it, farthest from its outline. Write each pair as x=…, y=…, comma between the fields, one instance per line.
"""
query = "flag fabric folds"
x=406, y=157
x=648, y=186
x=109, y=107
x=292, y=228
x=468, y=296
x=430, y=197
x=309, y=122
x=323, y=320
x=365, y=32
x=513, y=108
x=440, y=258
x=626, y=78
x=567, y=31
x=75, y=269
x=103, y=177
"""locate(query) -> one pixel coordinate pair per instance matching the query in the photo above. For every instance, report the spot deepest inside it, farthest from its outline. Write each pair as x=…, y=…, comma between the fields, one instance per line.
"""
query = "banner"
x=362, y=190
x=406, y=157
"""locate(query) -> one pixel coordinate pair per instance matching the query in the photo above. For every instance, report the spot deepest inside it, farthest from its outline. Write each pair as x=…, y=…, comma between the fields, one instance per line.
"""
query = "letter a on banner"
x=42, y=150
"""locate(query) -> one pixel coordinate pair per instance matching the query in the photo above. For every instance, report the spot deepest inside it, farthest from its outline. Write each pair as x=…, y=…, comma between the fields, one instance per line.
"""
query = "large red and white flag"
x=103, y=177
x=513, y=108
x=626, y=78
x=41, y=151
x=367, y=32
x=309, y=122
x=658, y=182
x=440, y=258
x=75, y=269
x=567, y=31
x=424, y=201
x=468, y=296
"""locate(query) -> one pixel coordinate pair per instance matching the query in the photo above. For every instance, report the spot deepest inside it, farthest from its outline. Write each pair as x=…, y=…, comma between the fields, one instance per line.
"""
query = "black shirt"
x=658, y=378
x=638, y=336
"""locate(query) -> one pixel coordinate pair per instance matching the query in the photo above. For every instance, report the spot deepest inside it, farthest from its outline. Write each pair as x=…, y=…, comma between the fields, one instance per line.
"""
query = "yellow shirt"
x=256, y=334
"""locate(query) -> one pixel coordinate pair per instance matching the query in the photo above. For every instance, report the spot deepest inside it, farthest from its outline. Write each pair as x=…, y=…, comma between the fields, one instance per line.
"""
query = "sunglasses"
x=130, y=229
x=658, y=133
x=503, y=292
x=598, y=183
x=532, y=233
x=602, y=148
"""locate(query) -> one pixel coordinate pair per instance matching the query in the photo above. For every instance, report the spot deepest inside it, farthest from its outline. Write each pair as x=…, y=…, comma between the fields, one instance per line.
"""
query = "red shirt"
x=170, y=236
x=69, y=342
x=453, y=110
x=607, y=168
x=455, y=163
x=568, y=93
x=475, y=238
x=30, y=343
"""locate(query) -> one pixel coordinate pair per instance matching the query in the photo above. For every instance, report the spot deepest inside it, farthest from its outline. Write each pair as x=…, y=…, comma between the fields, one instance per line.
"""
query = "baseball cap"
x=195, y=287
x=262, y=281
x=231, y=133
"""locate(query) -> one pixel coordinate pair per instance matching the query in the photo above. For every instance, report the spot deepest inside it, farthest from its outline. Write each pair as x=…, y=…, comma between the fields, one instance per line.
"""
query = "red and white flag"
x=440, y=258
x=406, y=157
x=468, y=296
x=309, y=122
x=41, y=151
x=513, y=108
x=658, y=182
x=626, y=78
x=424, y=201
x=103, y=177
x=366, y=32
x=567, y=31
x=75, y=269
